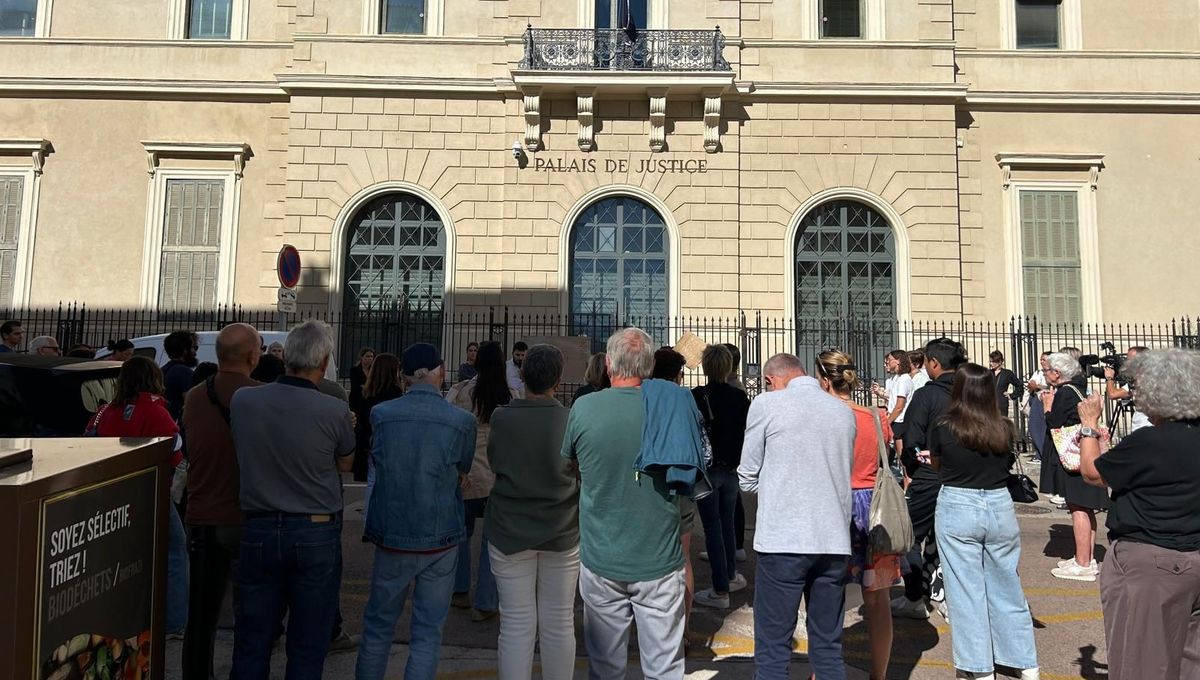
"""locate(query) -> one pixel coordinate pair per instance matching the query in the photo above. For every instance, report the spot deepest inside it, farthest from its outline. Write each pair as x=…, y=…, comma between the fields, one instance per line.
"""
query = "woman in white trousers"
x=532, y=523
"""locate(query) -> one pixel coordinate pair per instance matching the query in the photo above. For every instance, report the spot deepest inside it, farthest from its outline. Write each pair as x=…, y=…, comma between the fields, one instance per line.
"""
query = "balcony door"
x=609, y=13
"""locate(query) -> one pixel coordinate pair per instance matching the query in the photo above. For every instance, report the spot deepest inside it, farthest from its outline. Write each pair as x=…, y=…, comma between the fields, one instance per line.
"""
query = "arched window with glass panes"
x=619, y=267
x=845, y=281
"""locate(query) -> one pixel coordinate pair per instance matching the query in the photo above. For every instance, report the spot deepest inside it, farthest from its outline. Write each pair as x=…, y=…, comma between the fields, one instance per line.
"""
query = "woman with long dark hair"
x=358, y=376
x=383, y=384
x=481, y=396
x=977, y=533
x=140, y=410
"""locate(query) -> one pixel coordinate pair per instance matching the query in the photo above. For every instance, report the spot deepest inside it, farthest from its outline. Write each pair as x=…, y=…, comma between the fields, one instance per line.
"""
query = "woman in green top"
x=532, y=523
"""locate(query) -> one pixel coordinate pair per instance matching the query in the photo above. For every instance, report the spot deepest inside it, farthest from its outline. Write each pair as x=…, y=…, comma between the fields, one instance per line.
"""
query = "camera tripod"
x=1122, y=406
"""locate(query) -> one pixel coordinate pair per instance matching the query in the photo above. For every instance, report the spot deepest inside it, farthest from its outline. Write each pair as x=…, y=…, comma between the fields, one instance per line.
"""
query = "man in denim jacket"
x=421, y=448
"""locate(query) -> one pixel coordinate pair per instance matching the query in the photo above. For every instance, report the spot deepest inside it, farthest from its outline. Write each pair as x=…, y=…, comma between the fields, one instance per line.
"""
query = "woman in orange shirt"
x=875, y=573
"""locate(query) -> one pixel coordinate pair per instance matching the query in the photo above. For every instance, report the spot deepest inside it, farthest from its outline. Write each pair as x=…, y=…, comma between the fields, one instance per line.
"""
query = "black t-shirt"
x=1154, y=474
x=965, y=468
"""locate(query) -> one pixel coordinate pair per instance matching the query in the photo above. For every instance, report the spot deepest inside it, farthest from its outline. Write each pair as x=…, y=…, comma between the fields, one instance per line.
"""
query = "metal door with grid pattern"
x=845, y=280
x=619, y=268
x=395, y=257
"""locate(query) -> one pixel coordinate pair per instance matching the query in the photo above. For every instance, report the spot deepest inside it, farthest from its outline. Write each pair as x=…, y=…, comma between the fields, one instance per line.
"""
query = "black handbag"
x=1020, y=487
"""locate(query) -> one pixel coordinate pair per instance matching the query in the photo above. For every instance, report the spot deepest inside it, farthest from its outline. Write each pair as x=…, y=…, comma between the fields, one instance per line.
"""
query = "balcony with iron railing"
x=615, y=49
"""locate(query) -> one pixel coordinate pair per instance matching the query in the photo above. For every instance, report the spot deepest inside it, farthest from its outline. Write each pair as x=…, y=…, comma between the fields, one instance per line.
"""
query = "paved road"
x=1069, y=630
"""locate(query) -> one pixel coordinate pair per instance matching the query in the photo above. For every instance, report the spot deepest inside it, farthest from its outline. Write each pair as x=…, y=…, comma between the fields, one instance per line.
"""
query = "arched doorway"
x=393, y=275
x=845, y=282
x=619, y=268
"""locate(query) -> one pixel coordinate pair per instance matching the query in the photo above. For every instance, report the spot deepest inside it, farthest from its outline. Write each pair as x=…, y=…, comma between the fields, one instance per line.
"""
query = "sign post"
x=287, y=268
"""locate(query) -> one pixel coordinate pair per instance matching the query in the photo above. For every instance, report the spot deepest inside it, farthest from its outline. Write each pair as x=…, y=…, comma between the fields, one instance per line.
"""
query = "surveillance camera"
x=516, y=149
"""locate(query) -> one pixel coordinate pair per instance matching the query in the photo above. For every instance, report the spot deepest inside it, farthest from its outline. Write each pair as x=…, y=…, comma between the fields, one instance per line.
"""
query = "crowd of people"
x=600, y=500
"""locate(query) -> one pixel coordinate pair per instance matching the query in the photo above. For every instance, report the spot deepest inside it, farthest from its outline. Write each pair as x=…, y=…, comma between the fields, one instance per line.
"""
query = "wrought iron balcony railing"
x=604, y=49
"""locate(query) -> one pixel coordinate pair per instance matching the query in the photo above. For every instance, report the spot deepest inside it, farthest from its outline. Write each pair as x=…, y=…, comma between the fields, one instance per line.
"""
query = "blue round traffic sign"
x=287, y=266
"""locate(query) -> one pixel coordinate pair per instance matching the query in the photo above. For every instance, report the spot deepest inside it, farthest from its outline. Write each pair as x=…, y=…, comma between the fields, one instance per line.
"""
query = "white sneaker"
x=943, y=610
x=740, y=555
x=1074, y=572
x=1058, y=500
x=968, y=675
x=707, y=598
x=1031, y=674
x=902, y=608
x=738, y=582
x=1063, y=564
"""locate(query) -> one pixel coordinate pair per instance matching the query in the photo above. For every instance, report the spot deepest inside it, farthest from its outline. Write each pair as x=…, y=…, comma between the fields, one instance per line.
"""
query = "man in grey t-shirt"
x=291, y=442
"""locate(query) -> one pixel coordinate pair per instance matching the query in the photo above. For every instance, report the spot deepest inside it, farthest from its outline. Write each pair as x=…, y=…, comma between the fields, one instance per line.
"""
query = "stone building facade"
x=888, y=159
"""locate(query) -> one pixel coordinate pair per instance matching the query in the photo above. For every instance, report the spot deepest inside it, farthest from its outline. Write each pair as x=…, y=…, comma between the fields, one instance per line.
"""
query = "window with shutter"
x=841, y=18
x=191, y=245
x=11, y=191
x=210, y=19
x=1051, y=263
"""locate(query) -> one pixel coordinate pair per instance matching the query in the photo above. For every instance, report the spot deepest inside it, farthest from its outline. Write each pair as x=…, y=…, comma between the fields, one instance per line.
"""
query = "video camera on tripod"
x=1092, y=362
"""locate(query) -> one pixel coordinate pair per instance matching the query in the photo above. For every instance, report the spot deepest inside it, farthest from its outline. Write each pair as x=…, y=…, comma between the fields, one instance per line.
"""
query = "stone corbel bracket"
x=36, y=149
x=658, y=119
x=712, y=120
x=585, y=104
x=235, y=152
x=532, y=102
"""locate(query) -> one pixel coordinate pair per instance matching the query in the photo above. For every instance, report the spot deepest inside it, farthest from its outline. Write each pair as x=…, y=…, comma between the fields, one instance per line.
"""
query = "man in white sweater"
x=797, y=456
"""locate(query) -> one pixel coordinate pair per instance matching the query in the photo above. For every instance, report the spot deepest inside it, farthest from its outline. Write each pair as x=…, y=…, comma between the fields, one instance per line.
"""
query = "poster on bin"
x=96, y=580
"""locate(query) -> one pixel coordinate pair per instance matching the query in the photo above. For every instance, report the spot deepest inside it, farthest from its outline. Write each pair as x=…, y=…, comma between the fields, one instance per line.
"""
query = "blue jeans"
x=486, y=597
x=780, y=581
x=286, y=563
x=433, y=575
x=717, y=514
x=980, y=544
x=177, y=572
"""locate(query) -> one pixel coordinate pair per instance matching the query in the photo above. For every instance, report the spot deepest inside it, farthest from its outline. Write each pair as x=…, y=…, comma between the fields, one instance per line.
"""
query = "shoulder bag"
x=1066, y=440
x=1020, y=487
x=890, y=530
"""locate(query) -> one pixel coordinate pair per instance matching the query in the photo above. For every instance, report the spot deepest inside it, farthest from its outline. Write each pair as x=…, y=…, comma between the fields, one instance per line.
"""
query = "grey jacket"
x=797, y=457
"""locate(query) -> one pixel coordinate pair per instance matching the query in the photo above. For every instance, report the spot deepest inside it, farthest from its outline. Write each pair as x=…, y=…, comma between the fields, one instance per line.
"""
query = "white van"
x=152, y=346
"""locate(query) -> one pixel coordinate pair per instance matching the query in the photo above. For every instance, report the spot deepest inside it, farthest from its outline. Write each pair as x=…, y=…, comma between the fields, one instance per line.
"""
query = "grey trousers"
x=1151, y=599
x=609, y=607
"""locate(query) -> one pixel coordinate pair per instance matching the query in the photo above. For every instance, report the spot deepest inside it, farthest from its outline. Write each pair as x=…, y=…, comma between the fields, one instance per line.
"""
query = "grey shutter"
x=12, y=190
x=1051, y=265
x=191, y=244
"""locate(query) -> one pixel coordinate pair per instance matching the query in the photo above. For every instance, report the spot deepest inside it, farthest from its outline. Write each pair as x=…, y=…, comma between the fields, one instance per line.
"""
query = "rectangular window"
x=1038, y=24
x=191, y=245
x=404, y=16
x=1050, y=255
x=11, y=191
x=18, y=18
x=841, y=19
x=609, y=13
x=209, y=19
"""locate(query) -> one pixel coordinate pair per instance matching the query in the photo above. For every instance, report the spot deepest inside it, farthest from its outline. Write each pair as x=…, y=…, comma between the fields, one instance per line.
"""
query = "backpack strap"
x=210, y=387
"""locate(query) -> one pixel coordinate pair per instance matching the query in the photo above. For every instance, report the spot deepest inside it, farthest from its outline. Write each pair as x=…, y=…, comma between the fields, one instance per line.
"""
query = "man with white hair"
x=422, y=448
x=797, y=456
x=629, y=545
x=45, y=346
x=291, y=443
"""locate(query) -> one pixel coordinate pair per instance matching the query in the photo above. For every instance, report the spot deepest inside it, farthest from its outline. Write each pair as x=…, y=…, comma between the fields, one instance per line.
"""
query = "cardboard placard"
x=576, y=349
x=691, y=347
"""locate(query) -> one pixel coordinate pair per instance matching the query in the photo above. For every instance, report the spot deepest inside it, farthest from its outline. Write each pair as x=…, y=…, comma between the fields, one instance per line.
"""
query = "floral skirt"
x=872, y=572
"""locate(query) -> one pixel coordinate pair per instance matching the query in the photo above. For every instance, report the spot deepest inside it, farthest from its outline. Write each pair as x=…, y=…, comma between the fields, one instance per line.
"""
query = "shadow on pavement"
x=1060, y=544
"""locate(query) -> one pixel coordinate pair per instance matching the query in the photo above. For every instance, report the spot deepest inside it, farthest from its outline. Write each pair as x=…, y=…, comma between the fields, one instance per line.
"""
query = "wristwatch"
x=1089, y=432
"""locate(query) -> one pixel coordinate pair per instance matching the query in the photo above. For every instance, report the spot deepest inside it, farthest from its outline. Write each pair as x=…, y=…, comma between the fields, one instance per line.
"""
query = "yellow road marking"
x=1063, y=592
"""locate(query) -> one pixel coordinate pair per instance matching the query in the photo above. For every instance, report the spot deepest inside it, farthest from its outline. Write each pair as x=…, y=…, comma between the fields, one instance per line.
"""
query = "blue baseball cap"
x=418, y=356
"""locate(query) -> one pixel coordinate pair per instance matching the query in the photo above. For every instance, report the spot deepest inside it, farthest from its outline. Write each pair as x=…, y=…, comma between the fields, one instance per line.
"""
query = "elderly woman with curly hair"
x=1150, y=586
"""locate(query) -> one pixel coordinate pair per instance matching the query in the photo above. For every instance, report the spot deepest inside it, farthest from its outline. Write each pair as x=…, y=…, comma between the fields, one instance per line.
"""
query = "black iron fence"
x=1021, y=340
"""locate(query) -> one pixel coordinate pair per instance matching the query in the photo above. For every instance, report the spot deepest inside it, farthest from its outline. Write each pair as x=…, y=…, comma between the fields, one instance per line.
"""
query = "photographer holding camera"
x=1119, y=390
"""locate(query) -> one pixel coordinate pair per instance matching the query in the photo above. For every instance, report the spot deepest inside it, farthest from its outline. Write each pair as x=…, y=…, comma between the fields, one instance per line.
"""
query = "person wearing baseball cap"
x=421, y=449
